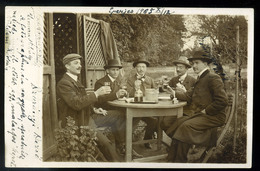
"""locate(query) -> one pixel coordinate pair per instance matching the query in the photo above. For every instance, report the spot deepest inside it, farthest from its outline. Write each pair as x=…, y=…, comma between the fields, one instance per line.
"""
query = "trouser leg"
x=115, y=120
x=178, y=151
x=172, y=151
x=181, y=152
x=150, y=128
x=167, y=122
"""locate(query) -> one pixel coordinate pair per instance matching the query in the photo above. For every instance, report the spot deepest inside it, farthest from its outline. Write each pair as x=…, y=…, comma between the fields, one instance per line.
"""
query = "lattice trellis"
x=93, y=49
x=65, y=39
x=45, y=45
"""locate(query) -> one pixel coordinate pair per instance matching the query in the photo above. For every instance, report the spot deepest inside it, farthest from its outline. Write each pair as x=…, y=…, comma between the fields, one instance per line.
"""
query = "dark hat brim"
x=208, y=60
x=141, y=61
x=117, y=66
x=181, y=62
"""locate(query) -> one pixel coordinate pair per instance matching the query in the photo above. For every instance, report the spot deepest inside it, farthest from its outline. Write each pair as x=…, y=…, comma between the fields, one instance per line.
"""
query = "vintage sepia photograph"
x=128, y=87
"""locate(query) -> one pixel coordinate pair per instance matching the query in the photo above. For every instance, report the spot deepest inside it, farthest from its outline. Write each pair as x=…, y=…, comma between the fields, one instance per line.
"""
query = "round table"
x=160, y=109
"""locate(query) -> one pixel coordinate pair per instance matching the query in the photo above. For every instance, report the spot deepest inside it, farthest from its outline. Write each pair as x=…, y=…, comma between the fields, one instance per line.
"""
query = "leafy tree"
x=155, y=37
x=222, y=31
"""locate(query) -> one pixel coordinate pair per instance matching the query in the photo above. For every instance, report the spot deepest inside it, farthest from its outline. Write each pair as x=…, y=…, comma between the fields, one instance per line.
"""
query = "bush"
x=71, y=146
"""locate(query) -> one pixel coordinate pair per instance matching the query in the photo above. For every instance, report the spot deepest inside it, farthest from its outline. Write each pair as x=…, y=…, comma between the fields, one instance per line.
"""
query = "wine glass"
x=107, y=84
x=124, y=87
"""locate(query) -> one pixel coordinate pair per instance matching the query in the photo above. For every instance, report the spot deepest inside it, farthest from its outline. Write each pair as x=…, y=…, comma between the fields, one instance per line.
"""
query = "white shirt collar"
x=201, y=72
x=182, y=78
x=138, y=75
x=74, y=77
x=112, y=79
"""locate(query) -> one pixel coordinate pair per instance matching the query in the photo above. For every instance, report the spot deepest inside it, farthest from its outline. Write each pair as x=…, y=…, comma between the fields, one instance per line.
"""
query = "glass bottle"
x=138, y=97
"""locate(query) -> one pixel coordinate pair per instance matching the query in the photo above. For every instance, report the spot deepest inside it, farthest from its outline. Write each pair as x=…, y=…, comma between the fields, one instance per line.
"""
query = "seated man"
x=112, y=116
x=181, y=82
x=72, y=98
x=208, y=101
x=146, y=82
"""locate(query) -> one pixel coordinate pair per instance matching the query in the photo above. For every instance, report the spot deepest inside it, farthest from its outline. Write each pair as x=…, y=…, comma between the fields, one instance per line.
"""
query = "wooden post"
x=237, y=88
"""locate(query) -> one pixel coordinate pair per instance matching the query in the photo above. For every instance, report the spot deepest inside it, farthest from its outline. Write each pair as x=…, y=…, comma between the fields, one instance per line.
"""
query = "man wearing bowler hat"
x=146, y=82
x=182, y=82
x=111, y=79
x=208, y=101
x=114, y=117
x=72, y=99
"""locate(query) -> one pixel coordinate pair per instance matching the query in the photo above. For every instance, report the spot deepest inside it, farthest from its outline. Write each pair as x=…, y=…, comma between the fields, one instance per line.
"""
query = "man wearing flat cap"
x=146, y=82
x=182, y=82
x=208, y=101
x=72, y=99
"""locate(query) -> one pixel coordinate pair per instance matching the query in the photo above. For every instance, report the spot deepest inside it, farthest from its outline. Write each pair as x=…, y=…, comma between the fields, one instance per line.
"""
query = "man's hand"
x=121, y=93
x=171, y=91
x=180, y=87
x=100, y=111
x=103, y=90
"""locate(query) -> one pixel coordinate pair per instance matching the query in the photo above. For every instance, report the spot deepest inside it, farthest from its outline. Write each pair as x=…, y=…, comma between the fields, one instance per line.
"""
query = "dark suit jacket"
x=188, y=82
x=73, y=101
x=208, y=94
x=108, y=97
x=200, y=129
x=148, y=83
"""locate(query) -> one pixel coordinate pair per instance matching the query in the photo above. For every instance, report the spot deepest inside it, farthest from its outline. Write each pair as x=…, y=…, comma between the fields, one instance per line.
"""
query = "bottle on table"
x=138, y=97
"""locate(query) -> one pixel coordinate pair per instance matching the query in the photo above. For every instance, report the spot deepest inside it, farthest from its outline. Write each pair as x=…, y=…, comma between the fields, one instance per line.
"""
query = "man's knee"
x=116, y=113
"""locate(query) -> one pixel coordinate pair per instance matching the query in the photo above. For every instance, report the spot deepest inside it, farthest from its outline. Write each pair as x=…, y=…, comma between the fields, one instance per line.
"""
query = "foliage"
x=222, y=31
x=71, y=146
x=226, y=154
x=157, y=38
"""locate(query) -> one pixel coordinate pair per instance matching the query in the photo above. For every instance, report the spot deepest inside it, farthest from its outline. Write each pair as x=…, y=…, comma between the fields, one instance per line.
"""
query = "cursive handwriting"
x=23, y=154
x=23, y=53
x=37, y=142
x=157, y=10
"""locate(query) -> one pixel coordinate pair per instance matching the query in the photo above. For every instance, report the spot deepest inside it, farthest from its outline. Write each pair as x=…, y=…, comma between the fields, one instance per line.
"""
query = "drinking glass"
x=107, y=83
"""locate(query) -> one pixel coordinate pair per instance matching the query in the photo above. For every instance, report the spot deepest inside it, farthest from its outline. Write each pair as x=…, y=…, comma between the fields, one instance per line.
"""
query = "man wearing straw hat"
x=208, y=101
x=182, y=82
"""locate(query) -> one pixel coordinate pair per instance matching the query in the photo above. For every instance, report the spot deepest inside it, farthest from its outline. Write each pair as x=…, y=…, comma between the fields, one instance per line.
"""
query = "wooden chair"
x=229, y=115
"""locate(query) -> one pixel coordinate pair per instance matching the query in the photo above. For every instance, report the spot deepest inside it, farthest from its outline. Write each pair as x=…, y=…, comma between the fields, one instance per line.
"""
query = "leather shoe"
x=148, y=145
x=135, y=154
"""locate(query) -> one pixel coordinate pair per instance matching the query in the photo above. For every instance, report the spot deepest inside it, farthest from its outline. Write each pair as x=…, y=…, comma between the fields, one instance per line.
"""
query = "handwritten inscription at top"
x=157, y=10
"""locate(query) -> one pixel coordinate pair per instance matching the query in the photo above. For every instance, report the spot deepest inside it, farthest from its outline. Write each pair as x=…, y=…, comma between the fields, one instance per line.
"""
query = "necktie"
x=142, y=78
x=114, y=86
x=181, y=80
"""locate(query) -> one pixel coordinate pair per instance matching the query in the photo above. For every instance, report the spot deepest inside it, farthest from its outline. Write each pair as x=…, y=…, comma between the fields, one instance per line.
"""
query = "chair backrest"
x=231, y=103
x=229, y=116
